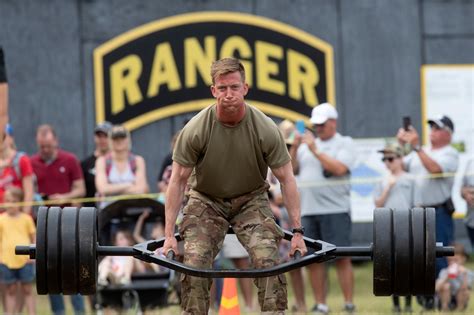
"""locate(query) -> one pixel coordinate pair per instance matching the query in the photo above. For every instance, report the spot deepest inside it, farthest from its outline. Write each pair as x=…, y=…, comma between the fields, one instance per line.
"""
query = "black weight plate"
x=418, y=250
x=430, y=251
x=382, y=252
x=401, y=252
x=87, y=250
x=53, y=245
x=69, y=251
x=41, y=256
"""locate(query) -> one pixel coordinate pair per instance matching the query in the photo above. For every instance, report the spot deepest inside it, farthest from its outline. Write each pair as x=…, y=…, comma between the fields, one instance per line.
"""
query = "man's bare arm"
x=429, y=163
x=175, y=195
x=174, y=199
x=332, y=165
x=291, y=199
x=78, y=189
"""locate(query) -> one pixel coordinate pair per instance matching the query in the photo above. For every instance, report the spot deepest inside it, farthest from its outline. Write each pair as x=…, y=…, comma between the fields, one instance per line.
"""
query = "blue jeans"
x=444, y=234
x=57, y=304
x=25, y=274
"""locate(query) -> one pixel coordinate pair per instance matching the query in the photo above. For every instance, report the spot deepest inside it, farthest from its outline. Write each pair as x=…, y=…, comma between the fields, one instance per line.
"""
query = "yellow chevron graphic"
x=229, y=303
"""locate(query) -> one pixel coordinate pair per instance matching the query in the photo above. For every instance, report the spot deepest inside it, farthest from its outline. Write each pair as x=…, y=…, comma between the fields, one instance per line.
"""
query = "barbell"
x=403, y=251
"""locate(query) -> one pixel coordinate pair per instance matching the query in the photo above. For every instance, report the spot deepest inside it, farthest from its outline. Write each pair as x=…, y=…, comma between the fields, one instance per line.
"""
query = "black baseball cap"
x=103, y=127
x=442, y=122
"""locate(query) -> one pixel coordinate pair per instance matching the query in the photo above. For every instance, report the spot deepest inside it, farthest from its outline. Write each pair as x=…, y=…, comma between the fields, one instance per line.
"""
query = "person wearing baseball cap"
x=102, y=147
x=323, y=113
x=442, y=122
x=103, y=128
x=434, y=167
x=326, y=160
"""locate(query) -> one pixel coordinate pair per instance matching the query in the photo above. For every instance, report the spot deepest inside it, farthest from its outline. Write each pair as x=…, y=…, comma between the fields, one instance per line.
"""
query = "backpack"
x=16, y=168
x=132, y=161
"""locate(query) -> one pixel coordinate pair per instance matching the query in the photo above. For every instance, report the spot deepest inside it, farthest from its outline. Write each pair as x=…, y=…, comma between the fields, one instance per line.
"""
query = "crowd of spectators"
x=320, y=154
x=422, y=177
x=57, y=176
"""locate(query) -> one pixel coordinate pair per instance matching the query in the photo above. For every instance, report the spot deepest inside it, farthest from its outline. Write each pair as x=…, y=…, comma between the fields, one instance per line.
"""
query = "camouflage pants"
x=204, y=226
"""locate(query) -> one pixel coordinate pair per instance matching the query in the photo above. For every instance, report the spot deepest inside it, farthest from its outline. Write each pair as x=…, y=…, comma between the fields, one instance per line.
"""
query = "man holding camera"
x=323, y=167
x=434, y=167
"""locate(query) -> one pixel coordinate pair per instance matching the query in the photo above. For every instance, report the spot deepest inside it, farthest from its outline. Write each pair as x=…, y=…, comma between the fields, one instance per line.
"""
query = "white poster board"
x=368, y=171
x=449, y=90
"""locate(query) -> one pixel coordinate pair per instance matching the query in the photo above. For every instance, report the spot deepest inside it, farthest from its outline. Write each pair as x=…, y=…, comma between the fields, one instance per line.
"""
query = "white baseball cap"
x=322, y=113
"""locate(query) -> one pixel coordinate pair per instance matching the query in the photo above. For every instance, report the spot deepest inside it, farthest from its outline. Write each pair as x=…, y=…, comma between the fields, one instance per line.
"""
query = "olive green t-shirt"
x=230, y=161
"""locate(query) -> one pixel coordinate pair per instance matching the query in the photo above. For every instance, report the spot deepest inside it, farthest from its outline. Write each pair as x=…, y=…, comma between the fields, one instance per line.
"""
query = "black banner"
x=163, y=68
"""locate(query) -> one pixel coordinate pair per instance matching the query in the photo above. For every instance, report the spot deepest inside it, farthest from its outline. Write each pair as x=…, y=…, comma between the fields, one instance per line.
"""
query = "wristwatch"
x=298, y=230
x=416, y=148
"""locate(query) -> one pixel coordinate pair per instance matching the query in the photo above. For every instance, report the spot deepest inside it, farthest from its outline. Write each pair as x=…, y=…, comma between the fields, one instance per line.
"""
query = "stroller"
x=147, y=290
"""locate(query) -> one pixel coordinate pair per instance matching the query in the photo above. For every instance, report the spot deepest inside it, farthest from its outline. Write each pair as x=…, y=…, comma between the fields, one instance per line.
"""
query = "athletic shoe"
x=320, y=309
x=349, y=308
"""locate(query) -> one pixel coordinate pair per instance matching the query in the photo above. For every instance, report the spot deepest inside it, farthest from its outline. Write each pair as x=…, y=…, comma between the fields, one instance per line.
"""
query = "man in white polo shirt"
x=434, y=167
x=323, y=168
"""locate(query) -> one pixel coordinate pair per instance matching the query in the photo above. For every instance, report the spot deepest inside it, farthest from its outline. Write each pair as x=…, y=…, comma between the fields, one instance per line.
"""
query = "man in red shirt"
x=58, y=172
x=59, y=177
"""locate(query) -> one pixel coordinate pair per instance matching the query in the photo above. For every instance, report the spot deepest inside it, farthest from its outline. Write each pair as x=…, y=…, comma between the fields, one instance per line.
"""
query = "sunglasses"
x=118, y=135
x=390, y=159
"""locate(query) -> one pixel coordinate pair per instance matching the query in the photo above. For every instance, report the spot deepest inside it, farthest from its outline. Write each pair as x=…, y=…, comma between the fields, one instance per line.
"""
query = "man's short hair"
x=44, y=130
x=225, y=66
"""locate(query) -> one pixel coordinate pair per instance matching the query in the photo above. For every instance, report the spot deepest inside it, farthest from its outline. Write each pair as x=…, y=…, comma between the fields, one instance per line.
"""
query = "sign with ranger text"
x=162, y=68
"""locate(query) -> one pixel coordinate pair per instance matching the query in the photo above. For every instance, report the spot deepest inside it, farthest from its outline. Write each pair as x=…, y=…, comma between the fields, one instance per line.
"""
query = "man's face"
x=101, y=141
x=47, y=146
x=229, y=92
x=327, y=130
x=439, y=135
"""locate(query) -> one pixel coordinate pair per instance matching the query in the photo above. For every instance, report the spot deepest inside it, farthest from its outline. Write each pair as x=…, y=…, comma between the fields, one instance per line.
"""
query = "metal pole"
x=116, y=251
x=362, y=251
x=26, y=250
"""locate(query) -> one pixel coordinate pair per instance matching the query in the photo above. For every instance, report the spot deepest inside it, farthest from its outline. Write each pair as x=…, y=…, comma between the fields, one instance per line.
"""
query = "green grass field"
x=365, y=301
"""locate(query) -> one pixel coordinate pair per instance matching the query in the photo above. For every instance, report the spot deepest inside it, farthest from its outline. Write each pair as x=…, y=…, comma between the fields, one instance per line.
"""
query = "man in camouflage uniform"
x=225, y=151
